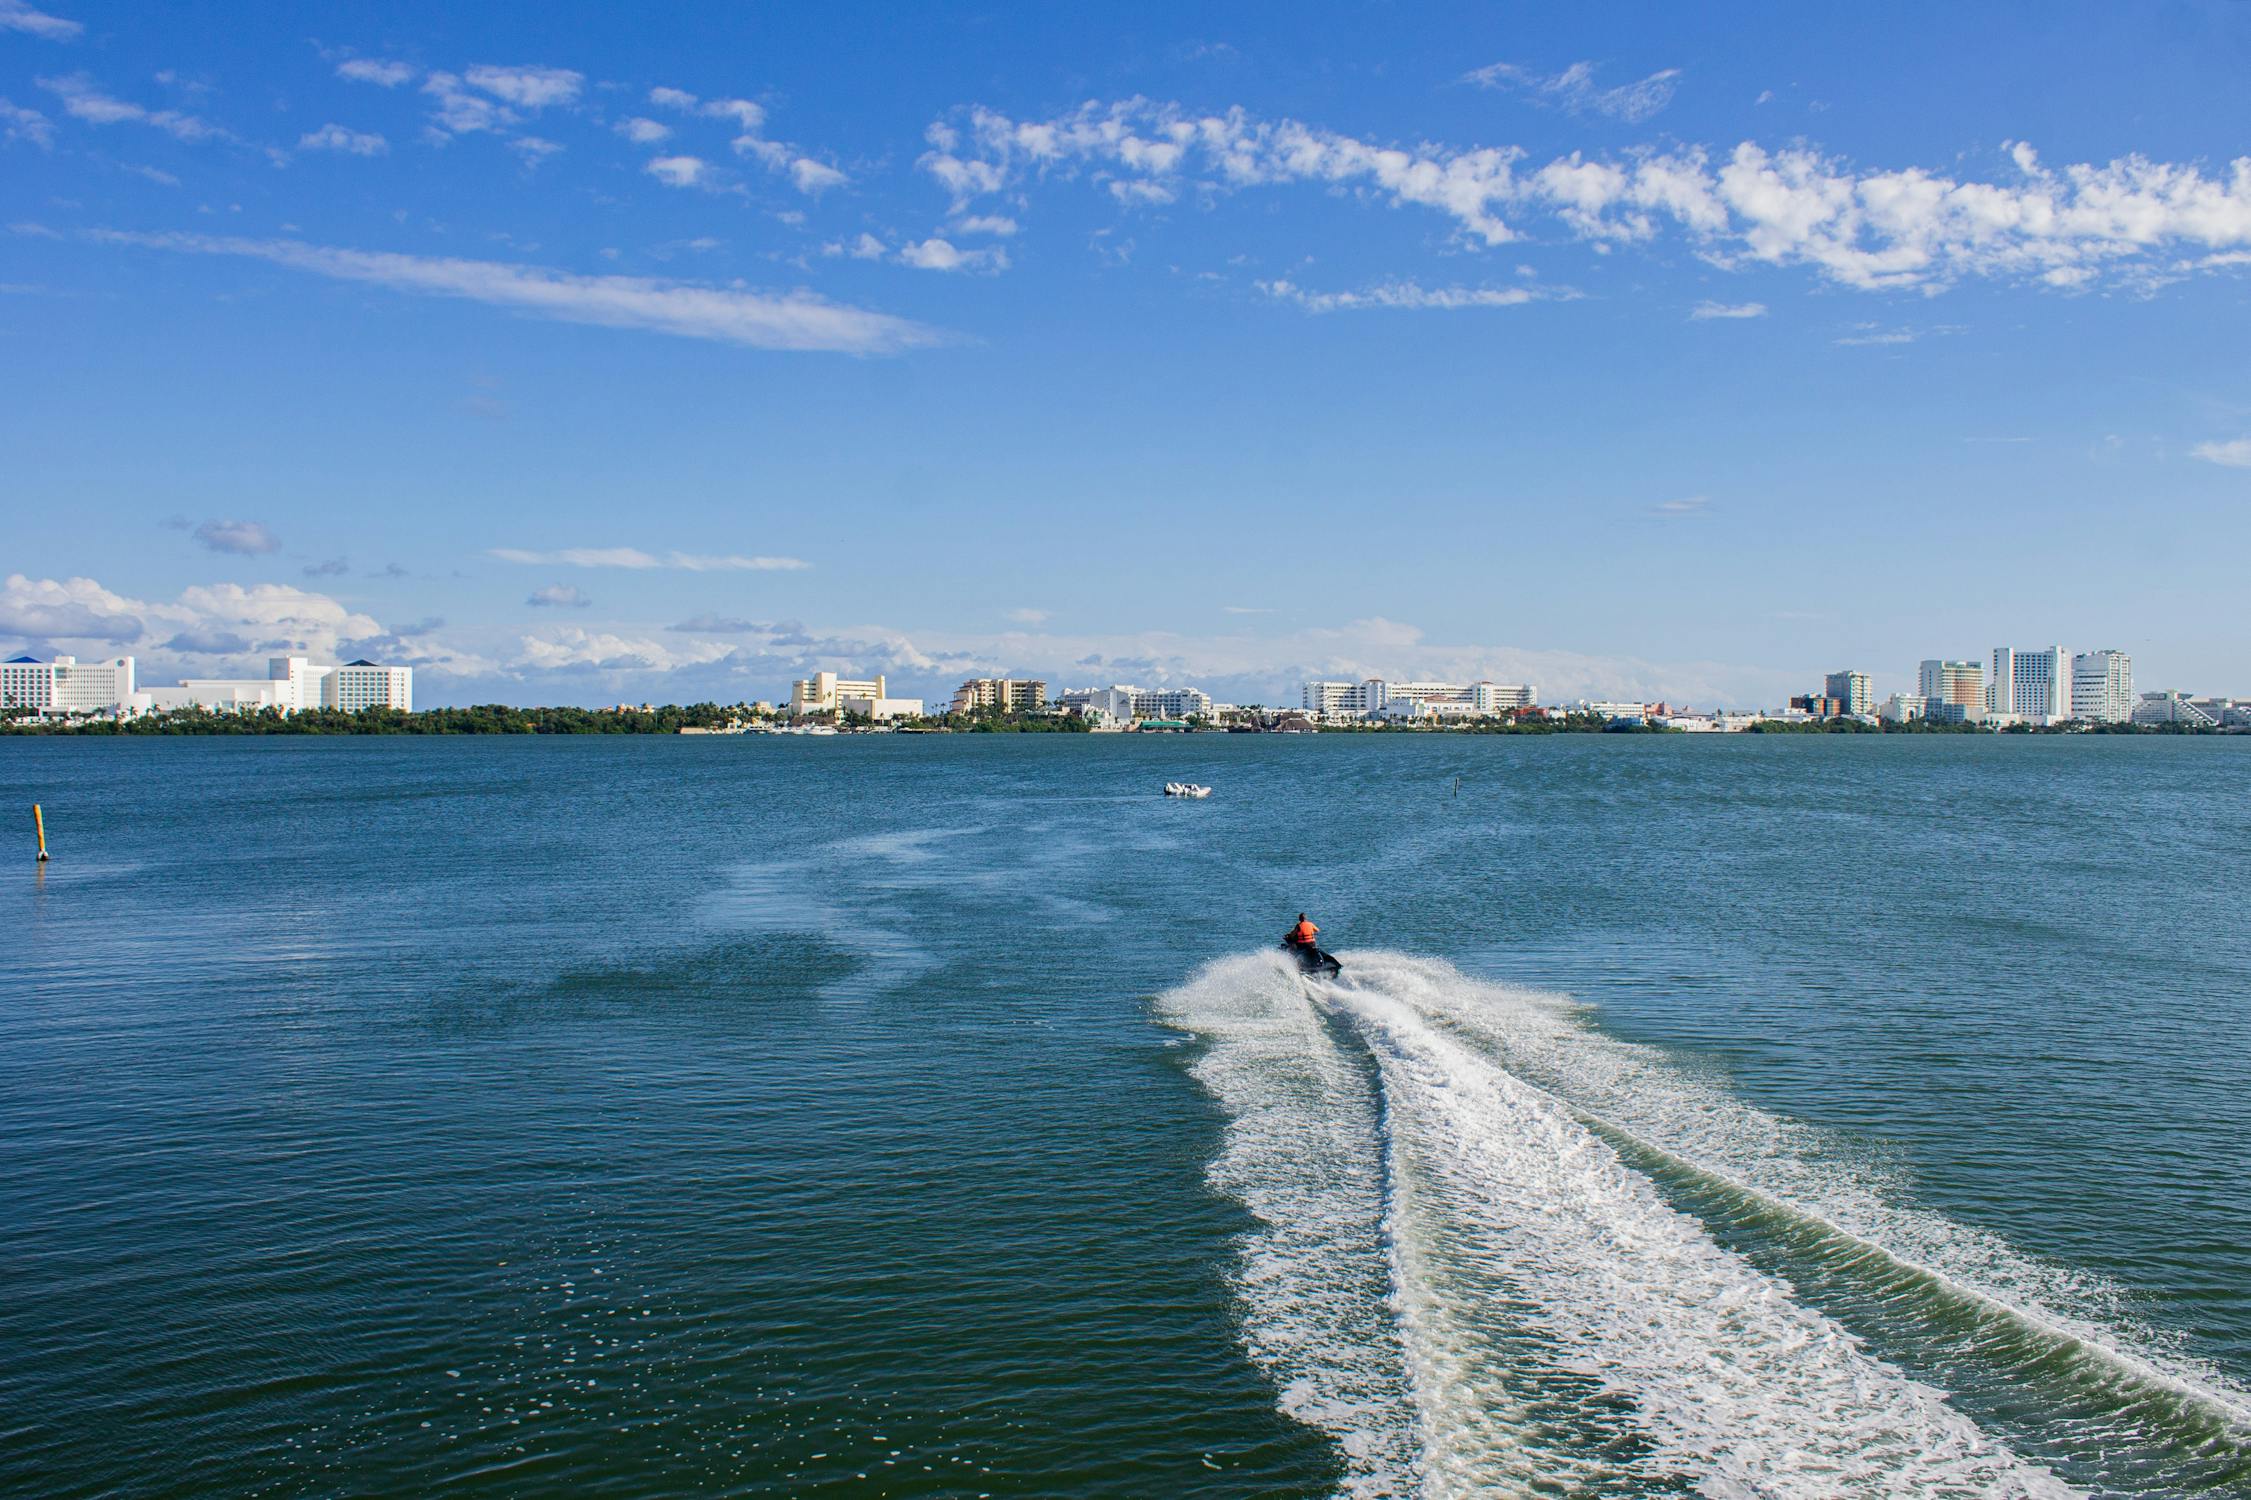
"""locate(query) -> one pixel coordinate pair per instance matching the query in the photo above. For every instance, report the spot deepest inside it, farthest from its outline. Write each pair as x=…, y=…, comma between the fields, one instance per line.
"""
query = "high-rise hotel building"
x=2033, y=685
x=1961, y=683
x=2102, y=687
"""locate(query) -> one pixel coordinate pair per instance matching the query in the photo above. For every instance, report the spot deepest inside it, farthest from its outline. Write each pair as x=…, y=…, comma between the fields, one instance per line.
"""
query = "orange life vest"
x=1304, y=933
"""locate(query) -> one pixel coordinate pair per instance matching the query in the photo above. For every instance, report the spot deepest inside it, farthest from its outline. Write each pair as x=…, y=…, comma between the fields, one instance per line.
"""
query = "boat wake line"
x=1496, y=1251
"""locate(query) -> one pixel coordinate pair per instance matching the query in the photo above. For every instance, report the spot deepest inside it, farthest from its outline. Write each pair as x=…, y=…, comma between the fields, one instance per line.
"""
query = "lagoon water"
x=636, y=1116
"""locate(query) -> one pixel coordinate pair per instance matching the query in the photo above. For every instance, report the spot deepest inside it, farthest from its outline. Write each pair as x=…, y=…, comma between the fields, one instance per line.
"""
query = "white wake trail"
x=1636, y=1090
x=1536, y=1256
x=1304, y=1154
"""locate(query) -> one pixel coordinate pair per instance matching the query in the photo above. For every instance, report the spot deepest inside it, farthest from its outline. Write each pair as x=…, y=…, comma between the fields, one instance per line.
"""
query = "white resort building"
x=67, y=685
x=362, y=684
x=1172, y=703
x=1378, y=697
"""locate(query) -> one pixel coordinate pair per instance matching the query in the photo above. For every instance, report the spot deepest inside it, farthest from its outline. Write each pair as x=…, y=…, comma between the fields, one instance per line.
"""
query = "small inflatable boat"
x=1186, y=789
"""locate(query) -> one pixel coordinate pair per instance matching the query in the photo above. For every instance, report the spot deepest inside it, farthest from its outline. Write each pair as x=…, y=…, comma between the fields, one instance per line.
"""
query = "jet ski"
x=1313, y=961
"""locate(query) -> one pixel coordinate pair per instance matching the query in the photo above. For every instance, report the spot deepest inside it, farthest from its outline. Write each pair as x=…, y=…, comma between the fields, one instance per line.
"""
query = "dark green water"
x=918, y=1117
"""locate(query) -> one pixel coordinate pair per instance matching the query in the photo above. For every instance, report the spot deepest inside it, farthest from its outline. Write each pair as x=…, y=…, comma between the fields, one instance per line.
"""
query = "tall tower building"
x=2033, y=685
x=2102, y=687
x=1957, y=682
x=1850, y=689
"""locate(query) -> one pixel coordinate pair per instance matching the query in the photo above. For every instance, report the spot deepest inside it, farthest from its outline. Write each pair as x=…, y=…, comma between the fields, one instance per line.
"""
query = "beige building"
x=827, y=693
x=1013, y=695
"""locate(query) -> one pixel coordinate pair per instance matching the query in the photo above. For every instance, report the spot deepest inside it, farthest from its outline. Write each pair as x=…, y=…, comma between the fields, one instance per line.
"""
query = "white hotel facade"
x=1378, y=697
x=67, y=686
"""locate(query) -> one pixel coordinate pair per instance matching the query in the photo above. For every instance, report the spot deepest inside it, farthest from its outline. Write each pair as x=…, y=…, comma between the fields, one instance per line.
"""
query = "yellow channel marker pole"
x=39, y=821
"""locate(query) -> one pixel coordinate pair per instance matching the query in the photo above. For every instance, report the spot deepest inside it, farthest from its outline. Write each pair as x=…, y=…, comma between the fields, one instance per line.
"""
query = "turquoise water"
x=926, y=1117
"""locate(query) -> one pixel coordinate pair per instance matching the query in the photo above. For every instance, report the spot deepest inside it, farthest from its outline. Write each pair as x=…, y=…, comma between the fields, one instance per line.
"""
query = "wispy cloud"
x=1689, y=505
x=334, y=137
x=15, y=15
x=643, y=131
x=634, y=557
x=242, y=538
x=1574, y=89
x=2234, y=454
x=378, y=71
x=562, y=650
x=1871, y=335
x=83, y=99
x=808, y=174
x=1909, y=227
x=20, y=124
x=528, y=88
x=1404, y=294
x=993, y=224
x=558, y=596
x=792, y=321
x=1030, y=616
x=1706, y=311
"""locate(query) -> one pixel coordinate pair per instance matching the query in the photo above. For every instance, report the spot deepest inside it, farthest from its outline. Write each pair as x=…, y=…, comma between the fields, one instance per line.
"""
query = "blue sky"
x=578, y=353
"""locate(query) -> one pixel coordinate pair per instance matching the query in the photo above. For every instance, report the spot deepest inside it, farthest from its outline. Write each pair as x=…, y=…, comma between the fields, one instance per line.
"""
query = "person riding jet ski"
x=1302, y=941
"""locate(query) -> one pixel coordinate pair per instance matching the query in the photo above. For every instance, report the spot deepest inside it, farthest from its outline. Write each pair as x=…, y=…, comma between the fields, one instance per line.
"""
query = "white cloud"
x=1403, y=295
x=214, y=619
x=534, y=149
x=20, y=124
x=1029, y=616
x=813, y=177
x=866, y=247
x=643, y=131
x=678, y=171
x=558, y=596
x=377, y=71
x=1868, y=229
x=1690, y=505
x=748, y=117
x=994, y=224
x=84, y=100
x=528, y=88
x=242, y=538
x=1706, y=311
x=807, y=174
x=15, y=15
x=75, y=609
x=1870, y=335
x=460, y=112
x=2235, y=454
x=935, y=254
x=1574, y=89
x=795, y=320
x=333, y=137
x=634, y=557
x=564, y=649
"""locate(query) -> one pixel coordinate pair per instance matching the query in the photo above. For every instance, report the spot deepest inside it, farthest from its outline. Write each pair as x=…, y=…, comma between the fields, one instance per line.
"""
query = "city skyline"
x=585, y=357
